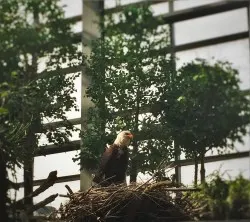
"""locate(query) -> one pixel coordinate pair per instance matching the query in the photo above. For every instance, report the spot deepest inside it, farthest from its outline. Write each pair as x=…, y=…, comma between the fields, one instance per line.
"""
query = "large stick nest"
x=157, y=201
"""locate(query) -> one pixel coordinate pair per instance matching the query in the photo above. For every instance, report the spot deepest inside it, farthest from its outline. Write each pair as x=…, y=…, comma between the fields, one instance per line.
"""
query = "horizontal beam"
x=187, y=162
x=212, y=41
x=62, y=179
x=135, y=4
x=74, y=19
x=215, y=158
x=178, y=48
x=184, y=14
x=68, y=70
x=87, y=37
x=204, y=10
x=53, y=149
x=57, y=124
x=75, y=145
x=78, y=18
x=246, y=92
x=190, y=13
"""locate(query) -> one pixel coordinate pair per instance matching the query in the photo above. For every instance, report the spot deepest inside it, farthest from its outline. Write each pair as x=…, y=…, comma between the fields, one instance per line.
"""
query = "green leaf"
x=181, y=98
x=3, y=111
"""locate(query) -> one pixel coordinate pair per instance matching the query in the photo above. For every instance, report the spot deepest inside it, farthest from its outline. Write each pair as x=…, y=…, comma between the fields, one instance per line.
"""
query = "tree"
x=206, y=109
x=130, y=70
x=238, y=198
x=32, y=31
x=11, y=135
x=223, y=199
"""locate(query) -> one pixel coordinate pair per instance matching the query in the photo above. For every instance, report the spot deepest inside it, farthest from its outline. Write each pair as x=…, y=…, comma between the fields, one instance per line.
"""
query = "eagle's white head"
x=123, y=138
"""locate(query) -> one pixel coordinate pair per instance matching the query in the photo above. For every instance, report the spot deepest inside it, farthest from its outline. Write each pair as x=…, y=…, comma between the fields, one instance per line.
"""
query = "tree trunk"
x=31, y=142
x=133, y=171
x=202, y=171
x=195, y=170
x=177, y=153
x=3, y=189
x=29, y=165
x=28, y=182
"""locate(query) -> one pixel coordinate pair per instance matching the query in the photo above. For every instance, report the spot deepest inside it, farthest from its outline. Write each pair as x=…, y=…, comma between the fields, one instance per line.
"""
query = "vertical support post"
x=248, y=12
x=172, y=42
x=28, y=181
x=31, y=142
x=90, y=15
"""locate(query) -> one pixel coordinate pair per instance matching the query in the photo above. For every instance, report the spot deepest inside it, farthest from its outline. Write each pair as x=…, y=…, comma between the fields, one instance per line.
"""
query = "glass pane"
x=184, y=4
x=211, y=26
x=16, y=194
x=236, y=52
x=72, y=8
x=76, y=114
x=232, y=167
x=115, y=3
x=60, y=189
x=160, y=8
x=125, y=2
x=71, y=114
x=43, y=141
x=18, y=176
x=245, y=146
x=77, y=27
x=62, y=162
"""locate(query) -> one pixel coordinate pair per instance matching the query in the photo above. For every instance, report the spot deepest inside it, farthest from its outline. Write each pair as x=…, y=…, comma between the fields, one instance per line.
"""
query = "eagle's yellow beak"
x=130, y=136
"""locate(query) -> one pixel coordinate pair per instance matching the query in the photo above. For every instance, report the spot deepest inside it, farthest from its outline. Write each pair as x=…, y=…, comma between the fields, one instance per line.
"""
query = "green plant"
x=130, y=70
x=239, y=198
x=205, y=110
x=33, y=34
x=224, y=199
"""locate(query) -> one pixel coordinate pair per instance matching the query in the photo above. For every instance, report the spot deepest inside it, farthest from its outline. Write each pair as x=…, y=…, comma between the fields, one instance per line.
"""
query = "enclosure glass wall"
x=223, y=35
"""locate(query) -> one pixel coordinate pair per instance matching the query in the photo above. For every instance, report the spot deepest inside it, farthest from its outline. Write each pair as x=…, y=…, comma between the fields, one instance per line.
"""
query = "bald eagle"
x=114, y=161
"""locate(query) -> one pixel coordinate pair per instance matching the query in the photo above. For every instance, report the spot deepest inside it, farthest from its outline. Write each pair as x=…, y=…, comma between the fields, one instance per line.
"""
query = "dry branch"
x=64, y=195
x=50, y=181
x=69, y=189
x=177, y=189
x=13, y=185
x=42, y=203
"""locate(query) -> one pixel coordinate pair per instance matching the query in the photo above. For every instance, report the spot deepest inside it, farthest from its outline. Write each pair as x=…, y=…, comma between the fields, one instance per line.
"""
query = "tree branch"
x=50, y=181
x=69, y=189
x=42, y=203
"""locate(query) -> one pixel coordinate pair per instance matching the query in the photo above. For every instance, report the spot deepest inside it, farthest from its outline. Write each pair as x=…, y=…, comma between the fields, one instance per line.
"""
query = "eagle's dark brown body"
x=113, y=166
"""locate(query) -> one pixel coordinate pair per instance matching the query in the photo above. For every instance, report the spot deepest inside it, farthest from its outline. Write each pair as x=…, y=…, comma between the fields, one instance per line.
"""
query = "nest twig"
x=161, y=201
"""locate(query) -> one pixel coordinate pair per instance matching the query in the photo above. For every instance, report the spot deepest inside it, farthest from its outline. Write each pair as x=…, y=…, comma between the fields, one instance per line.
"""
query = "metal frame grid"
x=170, y=18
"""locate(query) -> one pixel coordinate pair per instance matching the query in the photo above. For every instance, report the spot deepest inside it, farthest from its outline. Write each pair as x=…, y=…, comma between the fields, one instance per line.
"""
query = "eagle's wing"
x=106, y=157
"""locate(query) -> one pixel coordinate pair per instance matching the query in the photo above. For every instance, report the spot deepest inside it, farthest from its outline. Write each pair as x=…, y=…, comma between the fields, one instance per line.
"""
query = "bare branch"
x=42, y=203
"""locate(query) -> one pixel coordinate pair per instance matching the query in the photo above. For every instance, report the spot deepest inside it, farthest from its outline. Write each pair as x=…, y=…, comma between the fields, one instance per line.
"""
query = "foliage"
x=206, y=109
x=130, y=70
x=11, y=138
x=35, y=34
x=225, y=199
x=239, y=198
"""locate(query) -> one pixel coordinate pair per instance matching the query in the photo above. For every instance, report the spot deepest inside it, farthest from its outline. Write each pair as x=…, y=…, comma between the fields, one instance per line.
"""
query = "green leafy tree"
x=206, y=110
x=33, y=31
x=239, y=198
x=11, y=135
x=130, y=70
x=223, y=199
